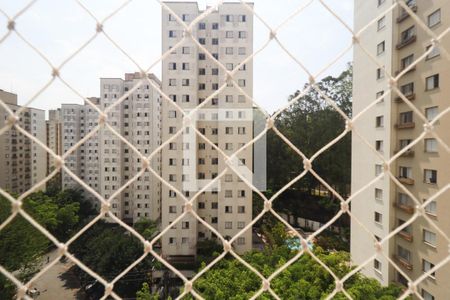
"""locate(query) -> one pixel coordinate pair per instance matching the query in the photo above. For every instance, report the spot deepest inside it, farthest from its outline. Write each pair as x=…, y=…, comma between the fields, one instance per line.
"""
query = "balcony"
x=406, y=236
x=406, y=42
x=410, y=97
x=401, y=70
x=407, y=153
x=406, y=125
x=406, y=180
x=404, y=14
x=409, y=209
x=403, y=262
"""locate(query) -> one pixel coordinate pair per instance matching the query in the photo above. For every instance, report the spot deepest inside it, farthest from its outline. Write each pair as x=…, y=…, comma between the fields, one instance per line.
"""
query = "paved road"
x=58, y=282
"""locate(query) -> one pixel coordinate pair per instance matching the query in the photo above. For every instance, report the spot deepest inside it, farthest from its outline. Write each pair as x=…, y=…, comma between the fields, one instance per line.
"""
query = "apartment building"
x=21, y=160
x=190, y=77
x=396, y=41
x=53, y=127
x=78, y=120
x=137, y=118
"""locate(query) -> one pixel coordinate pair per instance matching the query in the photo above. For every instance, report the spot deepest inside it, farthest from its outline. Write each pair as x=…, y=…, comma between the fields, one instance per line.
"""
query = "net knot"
x=307, y=164
x=226, y=246
x=272, y=34
x=16, y=206
x=62, y=249
x=12, y=119
x=145, y=163
x=348, y=125
x=11, y=25
x=109, y=288
x=147, y=247
x=428, y=128
x=378, y=247
x=188, y=286
x=344, y=207
x=99, y=27
x=267, y=205
x=188, y=207
x=102, y=119
x=270, y=123
x=55, y=72
x=105, y=208
x=266, y=284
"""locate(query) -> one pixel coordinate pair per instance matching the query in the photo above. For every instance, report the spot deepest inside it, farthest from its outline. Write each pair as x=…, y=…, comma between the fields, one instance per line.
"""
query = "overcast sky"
x=59, y=27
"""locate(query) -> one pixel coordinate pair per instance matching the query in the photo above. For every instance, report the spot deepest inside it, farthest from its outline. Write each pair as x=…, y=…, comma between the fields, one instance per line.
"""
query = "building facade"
x=53, y=125
x=189, y=78
x=396, y=41
x=137, y=119
x=77, y=120
x=21, y=161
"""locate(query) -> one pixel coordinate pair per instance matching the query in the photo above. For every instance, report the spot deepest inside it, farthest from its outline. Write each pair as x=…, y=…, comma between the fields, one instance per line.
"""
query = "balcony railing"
x=407, y=153
x=405, y=207
x=406, y=125
x=406, y=42
x=406, y=236
x=406, y=180
x=403, y=262
x=404, y=14
x=410, y=97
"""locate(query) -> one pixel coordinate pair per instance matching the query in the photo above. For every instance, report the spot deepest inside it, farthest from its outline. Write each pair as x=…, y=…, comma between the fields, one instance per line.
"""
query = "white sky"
x=59, y=27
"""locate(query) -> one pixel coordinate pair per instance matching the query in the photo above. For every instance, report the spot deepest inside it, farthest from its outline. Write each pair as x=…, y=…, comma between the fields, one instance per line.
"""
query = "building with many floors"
x=396, y=41
x=189, y=162
x=21, y=165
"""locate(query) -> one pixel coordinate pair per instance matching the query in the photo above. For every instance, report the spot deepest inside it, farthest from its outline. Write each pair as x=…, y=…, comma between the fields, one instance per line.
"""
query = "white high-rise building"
x=22, y=162
x=189, y=77
x=137, y=119
x=397, y=41
x=53, y=125
x=76, y=122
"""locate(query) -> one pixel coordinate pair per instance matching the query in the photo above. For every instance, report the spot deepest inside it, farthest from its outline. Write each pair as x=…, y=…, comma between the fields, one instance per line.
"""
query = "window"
x=431, y=208
x=241, y=82
x=379, y=121
x=228, y=130
x=202, y=41
x=241, y=51
x=185, y=66
x=430, y=176
x=241, y=241
x=242, y=18
x=404, y=143
x=378, y=170
x=172, y=240
x=431, y=113
x=403, y=253
x=228, y=194
x=215, y=41
x=184, y=240
x=427, y=266
x=379, y=145
x=172, y=66
x=377, y=265
x=427, y=296
x=214, y=220
x=381, y=2
x=201, y=86
x=407, y=89
x=172, y=209
x=202, y=71
x=405, y=172
x=381, y=47
x=432, y=82
x=241, y=130
x=185, y=82
x=172, y=114
x=431, y=146
x=407, y=61
x=434, y=19
x=229, y=50
x=214, y=205
x=229, y=34
x=228, y=209
x=378, y=217
x=241, y=209
x=406, y=117
x=378, y=194
x=429, y=237
x=185, y=225
x=240, y=225
x=172, y=82
x=201, y=26
x=228, y=18
x=380, y=73
x=215, y=26
x=242, y=34
x=381, y=23
x=433, y=53
x=172, y=33
x=228, y=225
x=229, y=98
x=408, y=35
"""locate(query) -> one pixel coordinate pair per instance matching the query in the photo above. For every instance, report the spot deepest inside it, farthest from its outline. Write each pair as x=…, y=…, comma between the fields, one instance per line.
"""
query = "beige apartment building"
x=137, y=119
x=396, y=41
x=77, y=120
x=189, y=77
x=53, y=127
x=21, y=165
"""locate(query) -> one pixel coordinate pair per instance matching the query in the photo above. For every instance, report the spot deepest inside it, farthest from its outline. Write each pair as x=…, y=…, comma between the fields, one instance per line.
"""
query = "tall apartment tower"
x=189, y=77
x=78, y=120
x=396, y=40
x=53, y=125
x=22, y=162
x=137, y=119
